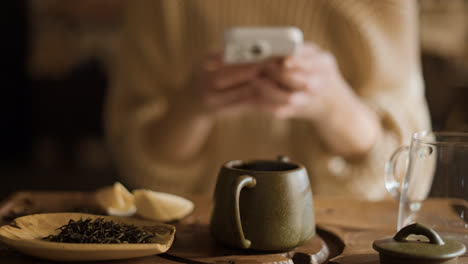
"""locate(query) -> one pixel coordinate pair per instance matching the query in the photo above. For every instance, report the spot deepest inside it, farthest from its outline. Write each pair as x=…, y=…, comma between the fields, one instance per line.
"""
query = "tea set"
x=267, y=206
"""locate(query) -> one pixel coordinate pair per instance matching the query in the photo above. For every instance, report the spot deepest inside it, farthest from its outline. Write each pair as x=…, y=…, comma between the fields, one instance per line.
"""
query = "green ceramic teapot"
x=263, y=205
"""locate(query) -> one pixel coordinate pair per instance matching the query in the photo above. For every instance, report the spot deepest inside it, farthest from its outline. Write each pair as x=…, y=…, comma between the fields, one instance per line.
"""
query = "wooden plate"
x=24, y=234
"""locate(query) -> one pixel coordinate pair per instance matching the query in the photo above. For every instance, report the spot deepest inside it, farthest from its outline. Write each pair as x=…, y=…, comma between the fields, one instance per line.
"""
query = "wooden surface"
x=346, y=230
x=359, y=223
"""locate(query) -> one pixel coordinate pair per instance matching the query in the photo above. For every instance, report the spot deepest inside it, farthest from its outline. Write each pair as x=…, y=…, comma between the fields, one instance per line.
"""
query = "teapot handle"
x=241, y=182
x=391, y=183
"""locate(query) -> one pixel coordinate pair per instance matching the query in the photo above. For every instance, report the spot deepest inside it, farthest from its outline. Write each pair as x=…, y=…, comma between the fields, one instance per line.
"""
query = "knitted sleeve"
x=377, y=47
x=140, y=87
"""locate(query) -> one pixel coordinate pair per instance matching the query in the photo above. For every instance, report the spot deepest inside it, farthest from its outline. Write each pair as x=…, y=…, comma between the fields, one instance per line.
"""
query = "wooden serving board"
x=24, y=203
x=193, y=242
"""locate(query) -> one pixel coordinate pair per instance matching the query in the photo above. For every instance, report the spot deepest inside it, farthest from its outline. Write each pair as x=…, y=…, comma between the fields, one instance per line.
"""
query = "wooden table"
x=346, y=230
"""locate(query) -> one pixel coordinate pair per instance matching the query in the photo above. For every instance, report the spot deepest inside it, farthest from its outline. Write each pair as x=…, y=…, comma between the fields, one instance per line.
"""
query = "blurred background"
x=56, y=56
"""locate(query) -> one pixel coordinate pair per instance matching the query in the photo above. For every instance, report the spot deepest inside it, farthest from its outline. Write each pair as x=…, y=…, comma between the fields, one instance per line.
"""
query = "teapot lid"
x=399, y=249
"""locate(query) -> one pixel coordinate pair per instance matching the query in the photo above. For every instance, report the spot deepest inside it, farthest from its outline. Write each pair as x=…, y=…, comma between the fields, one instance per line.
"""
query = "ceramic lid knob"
x=283, y=158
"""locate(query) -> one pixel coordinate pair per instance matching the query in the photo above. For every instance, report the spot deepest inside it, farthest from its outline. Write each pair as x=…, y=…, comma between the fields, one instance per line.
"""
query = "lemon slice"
x=161, y=206
x=116, y=200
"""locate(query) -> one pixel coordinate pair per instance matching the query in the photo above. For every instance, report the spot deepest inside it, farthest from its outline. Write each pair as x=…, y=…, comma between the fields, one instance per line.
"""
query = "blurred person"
x=350, y=96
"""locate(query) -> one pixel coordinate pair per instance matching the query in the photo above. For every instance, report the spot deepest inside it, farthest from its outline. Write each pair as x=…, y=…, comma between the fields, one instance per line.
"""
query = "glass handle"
x=391, y=183
x=241, y=182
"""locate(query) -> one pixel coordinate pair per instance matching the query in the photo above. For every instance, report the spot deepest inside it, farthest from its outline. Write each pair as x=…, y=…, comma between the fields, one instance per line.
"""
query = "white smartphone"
x=254, y=44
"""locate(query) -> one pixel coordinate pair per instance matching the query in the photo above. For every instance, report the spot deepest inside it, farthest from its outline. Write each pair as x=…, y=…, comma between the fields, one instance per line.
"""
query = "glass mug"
x=436, y=168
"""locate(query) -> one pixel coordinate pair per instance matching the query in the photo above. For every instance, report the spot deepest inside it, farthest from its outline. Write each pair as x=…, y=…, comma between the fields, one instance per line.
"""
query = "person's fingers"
x=308, y=49
x=234, y=103
x=229, y=76
x=212, y=61
x=313, y=62
x=305, y=51
x=309, y=58
x=293, y=79
x=278, y=102
x=274, y=71
x=224, y=76
x=270, y=91
x=233, y=108
x=300, y=81
x=217, y=99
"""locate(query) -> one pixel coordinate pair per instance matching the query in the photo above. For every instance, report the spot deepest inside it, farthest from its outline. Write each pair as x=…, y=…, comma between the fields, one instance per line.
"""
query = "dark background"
x=54, y=80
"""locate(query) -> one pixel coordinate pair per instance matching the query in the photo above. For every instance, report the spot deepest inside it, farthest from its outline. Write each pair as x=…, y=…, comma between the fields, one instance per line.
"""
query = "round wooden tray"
x=194, y=243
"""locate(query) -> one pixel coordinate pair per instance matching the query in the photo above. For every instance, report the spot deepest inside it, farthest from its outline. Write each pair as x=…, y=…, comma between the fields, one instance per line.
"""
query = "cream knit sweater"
x=377, y=48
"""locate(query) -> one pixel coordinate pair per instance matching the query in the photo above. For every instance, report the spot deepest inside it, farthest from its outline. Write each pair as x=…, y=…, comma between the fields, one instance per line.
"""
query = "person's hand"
x=214, y=90
x=307, y=85
x=310, y=86
x=218, y=89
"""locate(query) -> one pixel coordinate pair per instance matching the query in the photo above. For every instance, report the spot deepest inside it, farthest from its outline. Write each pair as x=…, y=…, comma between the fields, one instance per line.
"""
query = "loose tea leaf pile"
x=100, y=231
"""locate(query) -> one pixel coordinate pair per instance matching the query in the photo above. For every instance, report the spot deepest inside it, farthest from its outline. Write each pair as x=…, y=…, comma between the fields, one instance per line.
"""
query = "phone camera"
x=256, y=50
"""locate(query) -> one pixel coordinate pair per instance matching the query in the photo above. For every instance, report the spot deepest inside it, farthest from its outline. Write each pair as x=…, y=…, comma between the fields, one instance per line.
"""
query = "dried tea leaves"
x=100, y=231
